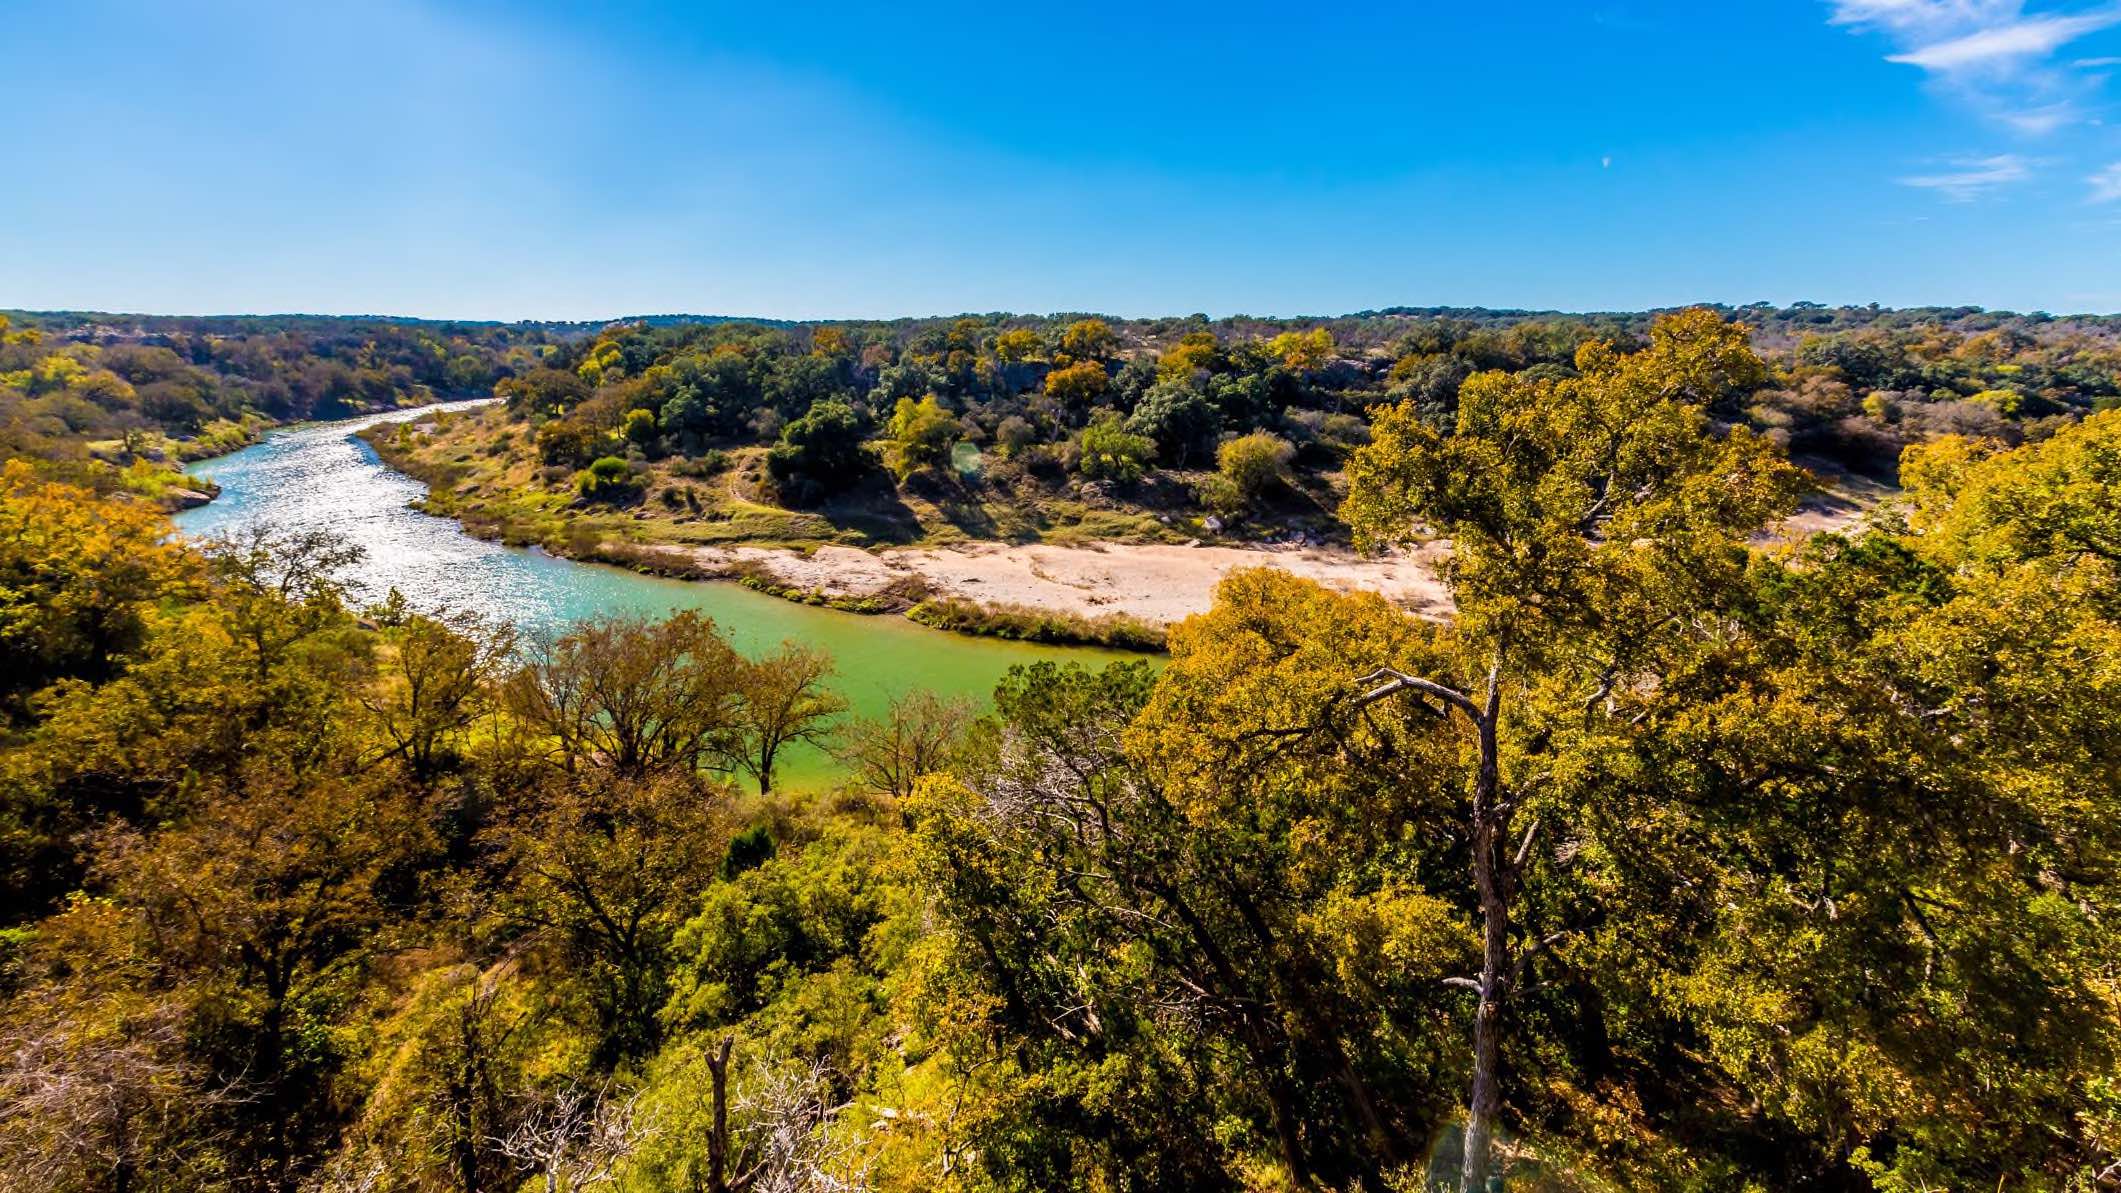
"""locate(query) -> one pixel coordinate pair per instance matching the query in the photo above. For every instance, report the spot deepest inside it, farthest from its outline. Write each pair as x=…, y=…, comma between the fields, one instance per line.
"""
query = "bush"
x=1013, y=436
x=702, y=466
x=921, y=436
x=608, y=479
x=819, y=454
x=640, y=427
x=1221, y=495
x=1255, y=465
x=1023, y=623
x=1110, y=452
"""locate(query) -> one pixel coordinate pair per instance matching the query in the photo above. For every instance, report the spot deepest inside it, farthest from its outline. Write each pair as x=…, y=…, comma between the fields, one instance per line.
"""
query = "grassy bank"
x=1021, y=623
x=483, y=469
x=539, y=519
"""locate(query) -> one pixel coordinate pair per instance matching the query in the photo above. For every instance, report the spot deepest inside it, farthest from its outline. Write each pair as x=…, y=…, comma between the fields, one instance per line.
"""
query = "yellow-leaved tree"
x=1597, y=523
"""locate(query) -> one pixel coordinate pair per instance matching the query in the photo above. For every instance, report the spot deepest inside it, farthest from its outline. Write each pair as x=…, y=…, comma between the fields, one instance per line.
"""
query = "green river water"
x=321, y=476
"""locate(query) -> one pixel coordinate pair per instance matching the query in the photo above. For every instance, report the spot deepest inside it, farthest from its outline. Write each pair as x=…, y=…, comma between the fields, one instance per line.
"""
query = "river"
x=321, y=476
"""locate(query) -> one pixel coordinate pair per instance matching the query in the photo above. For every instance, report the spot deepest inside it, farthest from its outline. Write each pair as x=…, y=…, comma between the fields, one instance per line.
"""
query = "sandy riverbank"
x=1152, y=582
x=1161, y=583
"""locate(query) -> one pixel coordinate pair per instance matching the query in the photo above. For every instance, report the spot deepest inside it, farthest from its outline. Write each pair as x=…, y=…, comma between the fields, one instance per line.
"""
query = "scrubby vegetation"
x=118, y=401
x=1071, y=427
x=1035, y=625
x=1668, y=863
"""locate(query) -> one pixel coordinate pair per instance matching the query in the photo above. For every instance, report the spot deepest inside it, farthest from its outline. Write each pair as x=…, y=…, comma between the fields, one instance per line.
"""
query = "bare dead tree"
x=786, y=1143
x=99, y=1100
x=576, y=1136
x=921, y=734
x=349, y=1172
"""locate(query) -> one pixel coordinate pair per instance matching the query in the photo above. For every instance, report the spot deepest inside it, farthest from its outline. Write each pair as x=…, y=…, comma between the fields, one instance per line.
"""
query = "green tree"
x=637, y=697
x=920, y=436
x=610, y=865
x=919, y=735
x=783, y=701
x=265, y=906
x=1594, y=522
x=1109, y=452
x=819, y=454
x=1255, y=465
x=1176, y=907
x=437, y=678
x=1180, y=419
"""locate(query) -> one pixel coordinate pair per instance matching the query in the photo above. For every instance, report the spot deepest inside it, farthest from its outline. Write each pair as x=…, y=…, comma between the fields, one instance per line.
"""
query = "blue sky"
x=480, y=159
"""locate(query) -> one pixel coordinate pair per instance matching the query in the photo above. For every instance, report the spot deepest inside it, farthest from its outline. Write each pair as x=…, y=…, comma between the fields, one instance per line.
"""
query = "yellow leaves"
x=1303, y=350
x=1390, y=479
x=1089, y=339
x=604, y=363
x=2003, y=401
x=75, y=571
x=831, y=342
x=1017, y=344
x=1250, y=679
x=1195, y=350
x=1078, y=385
x=28, y=335
x=1568, y=499
x=1697, y=357
x=2057, y=501
x=921, y=434
x=1398, y=935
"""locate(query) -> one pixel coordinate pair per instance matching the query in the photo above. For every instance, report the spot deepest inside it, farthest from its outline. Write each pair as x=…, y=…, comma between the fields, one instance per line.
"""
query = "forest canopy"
x=1673, y=860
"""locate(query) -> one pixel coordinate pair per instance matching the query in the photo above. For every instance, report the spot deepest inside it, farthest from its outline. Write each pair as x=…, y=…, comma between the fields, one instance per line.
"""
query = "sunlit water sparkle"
x=322, y=476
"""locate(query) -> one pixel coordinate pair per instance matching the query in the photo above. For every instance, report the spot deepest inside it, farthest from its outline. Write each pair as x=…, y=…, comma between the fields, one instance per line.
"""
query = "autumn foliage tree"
x=1595, y=522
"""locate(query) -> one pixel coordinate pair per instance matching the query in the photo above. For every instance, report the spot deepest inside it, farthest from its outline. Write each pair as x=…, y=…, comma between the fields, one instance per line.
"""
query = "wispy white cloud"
x=2042, y=120
x=2106, y=184
x=1925, y=18
x=1967, y=179
x=1992, y=54
x=2000, y=45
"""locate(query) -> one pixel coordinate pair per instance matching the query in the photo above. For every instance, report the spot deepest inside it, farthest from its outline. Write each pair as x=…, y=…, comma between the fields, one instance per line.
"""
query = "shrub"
x=608, y=479
x=640, y=427
x=701, y=466
x=1023, y=623
x=1110, y=452
x=1013, y=436
x=819, y=454
x=921, y=436
x=1255, y=465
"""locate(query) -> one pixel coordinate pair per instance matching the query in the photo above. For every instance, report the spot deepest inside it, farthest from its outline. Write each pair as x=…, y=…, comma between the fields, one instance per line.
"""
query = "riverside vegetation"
x=1669, y=862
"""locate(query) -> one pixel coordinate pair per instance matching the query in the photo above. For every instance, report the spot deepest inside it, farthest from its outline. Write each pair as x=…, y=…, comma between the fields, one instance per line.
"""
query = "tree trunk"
x=718, y=1130
x=1282, y=1102
x=1488, y=877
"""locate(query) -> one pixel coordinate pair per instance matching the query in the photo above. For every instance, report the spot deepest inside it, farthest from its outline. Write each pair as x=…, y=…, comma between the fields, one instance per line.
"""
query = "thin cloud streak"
x=2000, y=44
x=1991, y=54
x=2106, y=184
x=1973, y=177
